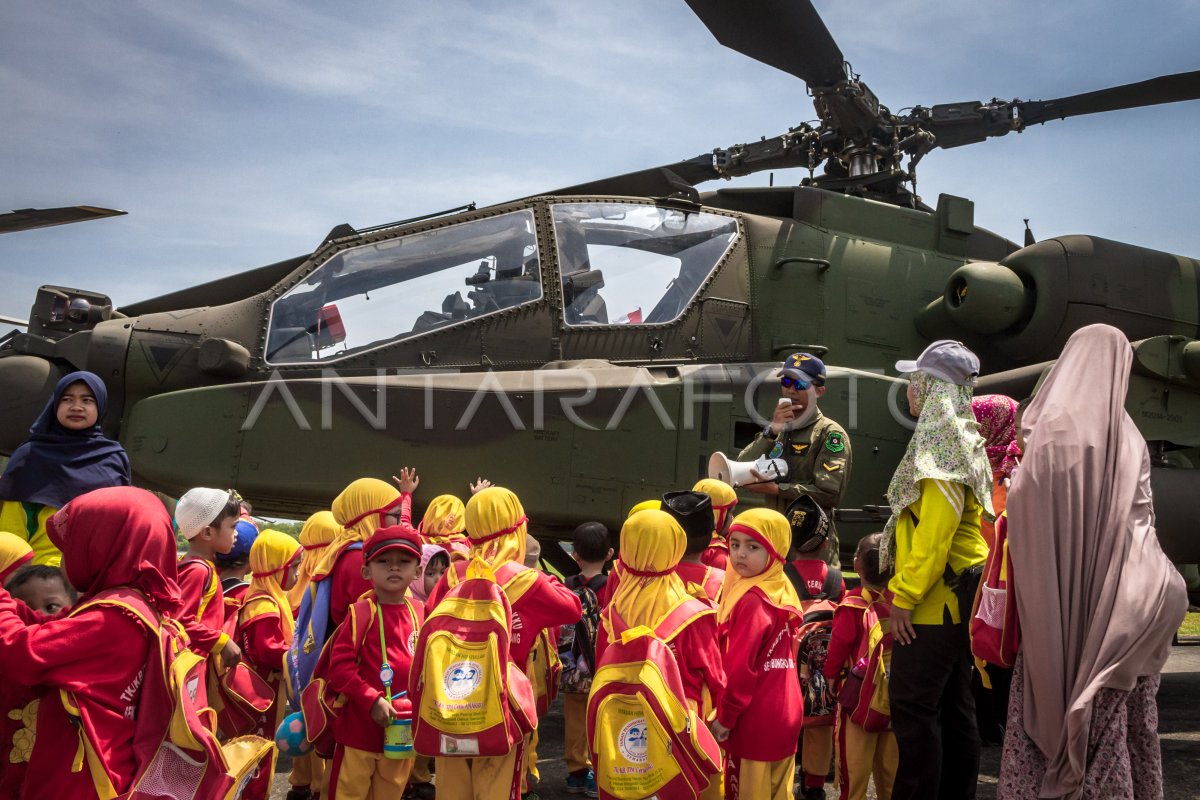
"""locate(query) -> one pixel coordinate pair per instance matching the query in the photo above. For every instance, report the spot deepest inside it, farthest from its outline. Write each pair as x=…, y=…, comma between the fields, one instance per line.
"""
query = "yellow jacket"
x=941, y=527
x=28, y=520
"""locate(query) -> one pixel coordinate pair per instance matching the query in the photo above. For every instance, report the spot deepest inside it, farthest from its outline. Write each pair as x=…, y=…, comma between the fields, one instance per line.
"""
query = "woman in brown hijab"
x=1087, y=566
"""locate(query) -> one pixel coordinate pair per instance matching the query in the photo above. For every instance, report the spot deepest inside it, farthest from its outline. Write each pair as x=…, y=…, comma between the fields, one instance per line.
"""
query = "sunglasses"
x=788, y=382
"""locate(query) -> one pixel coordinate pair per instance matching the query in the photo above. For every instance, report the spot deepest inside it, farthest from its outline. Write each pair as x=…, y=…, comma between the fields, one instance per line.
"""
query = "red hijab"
x=120, y=536
x=997, y=417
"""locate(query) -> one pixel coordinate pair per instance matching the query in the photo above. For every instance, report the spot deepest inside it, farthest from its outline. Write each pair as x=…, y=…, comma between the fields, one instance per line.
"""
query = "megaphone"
x=740, y=473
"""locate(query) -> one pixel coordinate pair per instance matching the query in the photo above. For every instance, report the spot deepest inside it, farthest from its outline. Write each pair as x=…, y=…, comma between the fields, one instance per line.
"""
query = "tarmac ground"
x=1179, y=732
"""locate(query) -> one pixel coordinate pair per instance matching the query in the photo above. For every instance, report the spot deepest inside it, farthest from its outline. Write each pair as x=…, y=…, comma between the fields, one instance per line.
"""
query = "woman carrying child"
x=119, y=552
x=65, y=456
x=760, y=715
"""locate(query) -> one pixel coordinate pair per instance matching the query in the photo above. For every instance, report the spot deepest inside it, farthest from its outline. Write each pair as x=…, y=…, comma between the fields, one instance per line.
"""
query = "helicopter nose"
x=25, y=384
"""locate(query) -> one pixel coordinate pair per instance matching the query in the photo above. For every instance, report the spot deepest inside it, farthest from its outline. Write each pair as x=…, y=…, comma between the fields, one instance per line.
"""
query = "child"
x=443, y=525
x=113, y=540
x=652, y=542
x=693, y=511
x=760, y=715
x=860, y=753
x=265, y=622
x=233, y=566
x=590, y=550
x=66, y=455
x=724, y=500
x=308, y=771
x=820, y=587
x=369, y=662
x=42, y=588
x=434, y=563
x=207, y=518
x=496, y=525
x=363, y=507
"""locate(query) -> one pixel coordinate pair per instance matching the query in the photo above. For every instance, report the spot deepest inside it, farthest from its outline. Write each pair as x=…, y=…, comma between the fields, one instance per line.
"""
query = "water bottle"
x=397, y=737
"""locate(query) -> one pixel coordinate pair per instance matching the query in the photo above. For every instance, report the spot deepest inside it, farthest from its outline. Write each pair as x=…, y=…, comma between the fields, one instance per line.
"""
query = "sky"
x=237, y=134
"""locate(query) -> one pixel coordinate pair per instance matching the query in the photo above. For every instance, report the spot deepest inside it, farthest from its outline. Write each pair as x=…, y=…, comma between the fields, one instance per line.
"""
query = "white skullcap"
x=197, y=509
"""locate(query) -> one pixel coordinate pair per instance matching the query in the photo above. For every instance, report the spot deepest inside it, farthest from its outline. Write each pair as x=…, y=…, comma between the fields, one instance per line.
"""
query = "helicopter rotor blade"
x=660, y=181
x=1164, y=89
x=786, y=34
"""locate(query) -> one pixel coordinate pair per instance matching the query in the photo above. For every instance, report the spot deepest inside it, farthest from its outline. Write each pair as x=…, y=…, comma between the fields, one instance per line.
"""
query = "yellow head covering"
x=724, y=500
x=15, y=552
x=270, y=558
x=771, y=529
x=652, y=542
x=645, y=505
x=444, y=524
x=359, y=510
x=496, y=525
x=315, y=537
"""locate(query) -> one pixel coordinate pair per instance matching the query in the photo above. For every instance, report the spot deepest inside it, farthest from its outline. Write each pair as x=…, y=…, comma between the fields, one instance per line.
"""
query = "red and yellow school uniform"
x=861, y=753
x=702, y=581
x=265, y=623
x=818, y=744
x=649, y=592
x=203, y=611
x=308, y=771
x=359, y=509
x=359, y=768
x=762, y=705
x=92, y=662
x=496, y=525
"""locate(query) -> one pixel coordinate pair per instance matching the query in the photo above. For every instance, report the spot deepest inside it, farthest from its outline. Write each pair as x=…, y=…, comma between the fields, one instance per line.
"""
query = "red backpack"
x=469, y=698
x=864, y=693
x=175, y=746
x=995, y=631
x=645, y=740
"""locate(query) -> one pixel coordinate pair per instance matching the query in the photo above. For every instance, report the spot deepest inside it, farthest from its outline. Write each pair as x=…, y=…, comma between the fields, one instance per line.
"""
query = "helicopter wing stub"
x=784, y=34
x=1156, y=91
x=24, y=219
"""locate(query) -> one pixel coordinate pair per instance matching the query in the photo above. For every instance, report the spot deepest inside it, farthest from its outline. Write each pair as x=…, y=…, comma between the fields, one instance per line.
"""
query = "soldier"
x=816, y=448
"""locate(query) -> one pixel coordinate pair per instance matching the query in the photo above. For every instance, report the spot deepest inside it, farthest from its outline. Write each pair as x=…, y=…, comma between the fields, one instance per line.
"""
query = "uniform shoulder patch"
x=835, y=442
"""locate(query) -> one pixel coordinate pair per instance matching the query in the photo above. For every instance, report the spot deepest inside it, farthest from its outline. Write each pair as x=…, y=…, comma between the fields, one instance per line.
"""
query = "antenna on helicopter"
x=1029, y=235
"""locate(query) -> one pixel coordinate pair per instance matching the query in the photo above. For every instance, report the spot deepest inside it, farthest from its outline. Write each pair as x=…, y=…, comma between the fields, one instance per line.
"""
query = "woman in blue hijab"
x=66, y=455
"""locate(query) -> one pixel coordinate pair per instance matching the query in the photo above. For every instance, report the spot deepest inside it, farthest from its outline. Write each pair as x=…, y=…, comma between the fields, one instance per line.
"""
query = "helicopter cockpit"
x=619, y=264
x=377, y=293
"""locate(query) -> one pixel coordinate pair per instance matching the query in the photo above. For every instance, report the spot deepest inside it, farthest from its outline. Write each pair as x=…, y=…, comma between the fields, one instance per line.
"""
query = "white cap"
x=946, y=359
x=198, y=508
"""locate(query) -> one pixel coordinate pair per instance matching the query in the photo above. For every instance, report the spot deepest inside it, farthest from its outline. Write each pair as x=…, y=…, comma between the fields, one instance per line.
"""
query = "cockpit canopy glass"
x=635, y=264
x=367, y=296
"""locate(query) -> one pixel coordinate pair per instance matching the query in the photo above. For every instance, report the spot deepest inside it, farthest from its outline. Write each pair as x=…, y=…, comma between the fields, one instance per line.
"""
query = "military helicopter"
x=591, y=346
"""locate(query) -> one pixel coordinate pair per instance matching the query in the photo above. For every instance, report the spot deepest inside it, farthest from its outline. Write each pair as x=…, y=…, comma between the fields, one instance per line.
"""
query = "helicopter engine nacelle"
x=1023, y=309
x=985, y=298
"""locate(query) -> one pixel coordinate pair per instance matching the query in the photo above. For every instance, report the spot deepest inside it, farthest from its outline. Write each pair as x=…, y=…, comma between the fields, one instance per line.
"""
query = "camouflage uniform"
x=819, y=460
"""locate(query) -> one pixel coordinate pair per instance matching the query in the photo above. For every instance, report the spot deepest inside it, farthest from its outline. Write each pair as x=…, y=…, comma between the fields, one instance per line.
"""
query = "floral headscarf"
x=945, y=446
x=997, y=417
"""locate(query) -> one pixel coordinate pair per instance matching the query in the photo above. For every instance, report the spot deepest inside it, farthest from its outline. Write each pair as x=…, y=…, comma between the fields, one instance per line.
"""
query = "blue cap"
x=247, y=532
x=805, y=367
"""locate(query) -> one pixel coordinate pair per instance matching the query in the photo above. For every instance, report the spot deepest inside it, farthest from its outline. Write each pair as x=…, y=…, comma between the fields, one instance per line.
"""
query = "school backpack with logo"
x=645, y=740
x=577, y=644
x=312, y=631
x=816, y=628
x=995, y=632
x=175, y=747
x=864, y=693
x=469, y=698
